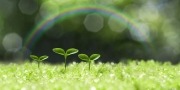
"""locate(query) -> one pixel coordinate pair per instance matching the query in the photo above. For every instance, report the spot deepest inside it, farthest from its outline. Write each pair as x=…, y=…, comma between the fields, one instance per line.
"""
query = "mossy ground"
x=134, y=75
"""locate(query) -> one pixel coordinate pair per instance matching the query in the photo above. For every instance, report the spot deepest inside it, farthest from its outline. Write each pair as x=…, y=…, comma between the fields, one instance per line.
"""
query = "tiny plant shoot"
x=93, y=57
x=65, y=53
x=39, y=59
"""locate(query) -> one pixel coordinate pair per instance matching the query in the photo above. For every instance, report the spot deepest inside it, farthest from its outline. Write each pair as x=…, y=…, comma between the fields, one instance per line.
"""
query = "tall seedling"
x=66, y=53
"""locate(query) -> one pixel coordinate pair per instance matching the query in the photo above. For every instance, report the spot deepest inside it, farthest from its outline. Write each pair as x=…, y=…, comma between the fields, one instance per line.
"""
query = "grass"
x=134, y=75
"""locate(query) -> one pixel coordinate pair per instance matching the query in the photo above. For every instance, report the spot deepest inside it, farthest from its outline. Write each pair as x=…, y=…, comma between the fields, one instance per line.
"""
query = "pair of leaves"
x=73, y=51
x=39, y=59
x=67, y=53
x=85, y=57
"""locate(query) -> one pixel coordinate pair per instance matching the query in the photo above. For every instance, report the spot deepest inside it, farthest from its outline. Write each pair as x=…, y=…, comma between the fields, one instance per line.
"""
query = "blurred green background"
x=158, y=22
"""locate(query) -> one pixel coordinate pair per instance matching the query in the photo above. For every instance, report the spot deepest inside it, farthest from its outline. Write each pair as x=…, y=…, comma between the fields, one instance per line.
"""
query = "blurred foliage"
x=158, y=21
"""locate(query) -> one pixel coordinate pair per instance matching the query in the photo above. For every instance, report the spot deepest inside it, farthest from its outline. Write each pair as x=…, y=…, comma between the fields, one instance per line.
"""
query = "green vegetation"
x=61, y=51
x=39, y=59
x=132, y=75
x=93, y=57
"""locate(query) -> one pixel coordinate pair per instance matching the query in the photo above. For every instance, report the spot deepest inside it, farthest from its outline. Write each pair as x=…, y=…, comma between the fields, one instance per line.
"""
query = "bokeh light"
x=12, y=42
x=45, y=10
x=149, y=12
x=94, y=22
x=117, y=25
x=28, y=7
x=142, y=34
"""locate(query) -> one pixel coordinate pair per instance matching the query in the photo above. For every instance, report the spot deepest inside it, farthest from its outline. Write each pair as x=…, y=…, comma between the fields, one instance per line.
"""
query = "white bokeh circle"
x=93, y=22
x=12, y=42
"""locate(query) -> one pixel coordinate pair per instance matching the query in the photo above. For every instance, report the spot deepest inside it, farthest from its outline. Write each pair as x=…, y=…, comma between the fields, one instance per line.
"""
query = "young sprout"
x=39, y=59
x=65, y=53
x=93, y=57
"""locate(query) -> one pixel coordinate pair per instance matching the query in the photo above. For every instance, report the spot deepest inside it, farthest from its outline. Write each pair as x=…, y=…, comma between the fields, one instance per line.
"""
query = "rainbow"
x=75, y=10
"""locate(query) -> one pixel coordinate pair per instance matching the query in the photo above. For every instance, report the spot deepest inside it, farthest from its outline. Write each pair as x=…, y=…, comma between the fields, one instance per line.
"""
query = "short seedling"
x=39, y=59
x=65, y=54
x=93, y=57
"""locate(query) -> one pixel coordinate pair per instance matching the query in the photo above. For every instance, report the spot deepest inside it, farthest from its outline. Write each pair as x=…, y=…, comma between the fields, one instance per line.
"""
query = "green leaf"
x=59, y=51
x=94, y=56
x=43, y=57
x=83, y=57
x=34, y=57
x=71, y=51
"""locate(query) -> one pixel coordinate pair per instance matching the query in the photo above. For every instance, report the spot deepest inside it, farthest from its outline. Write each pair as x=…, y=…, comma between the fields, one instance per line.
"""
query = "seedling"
x=65, y=53
x=39, y=59
x=85, y=57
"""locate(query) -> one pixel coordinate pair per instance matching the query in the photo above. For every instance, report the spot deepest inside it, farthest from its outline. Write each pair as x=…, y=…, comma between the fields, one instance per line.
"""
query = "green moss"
x=141, y=75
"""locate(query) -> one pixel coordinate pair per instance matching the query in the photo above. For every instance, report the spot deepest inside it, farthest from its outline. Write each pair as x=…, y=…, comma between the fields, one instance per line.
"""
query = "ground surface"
x=131, y=76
